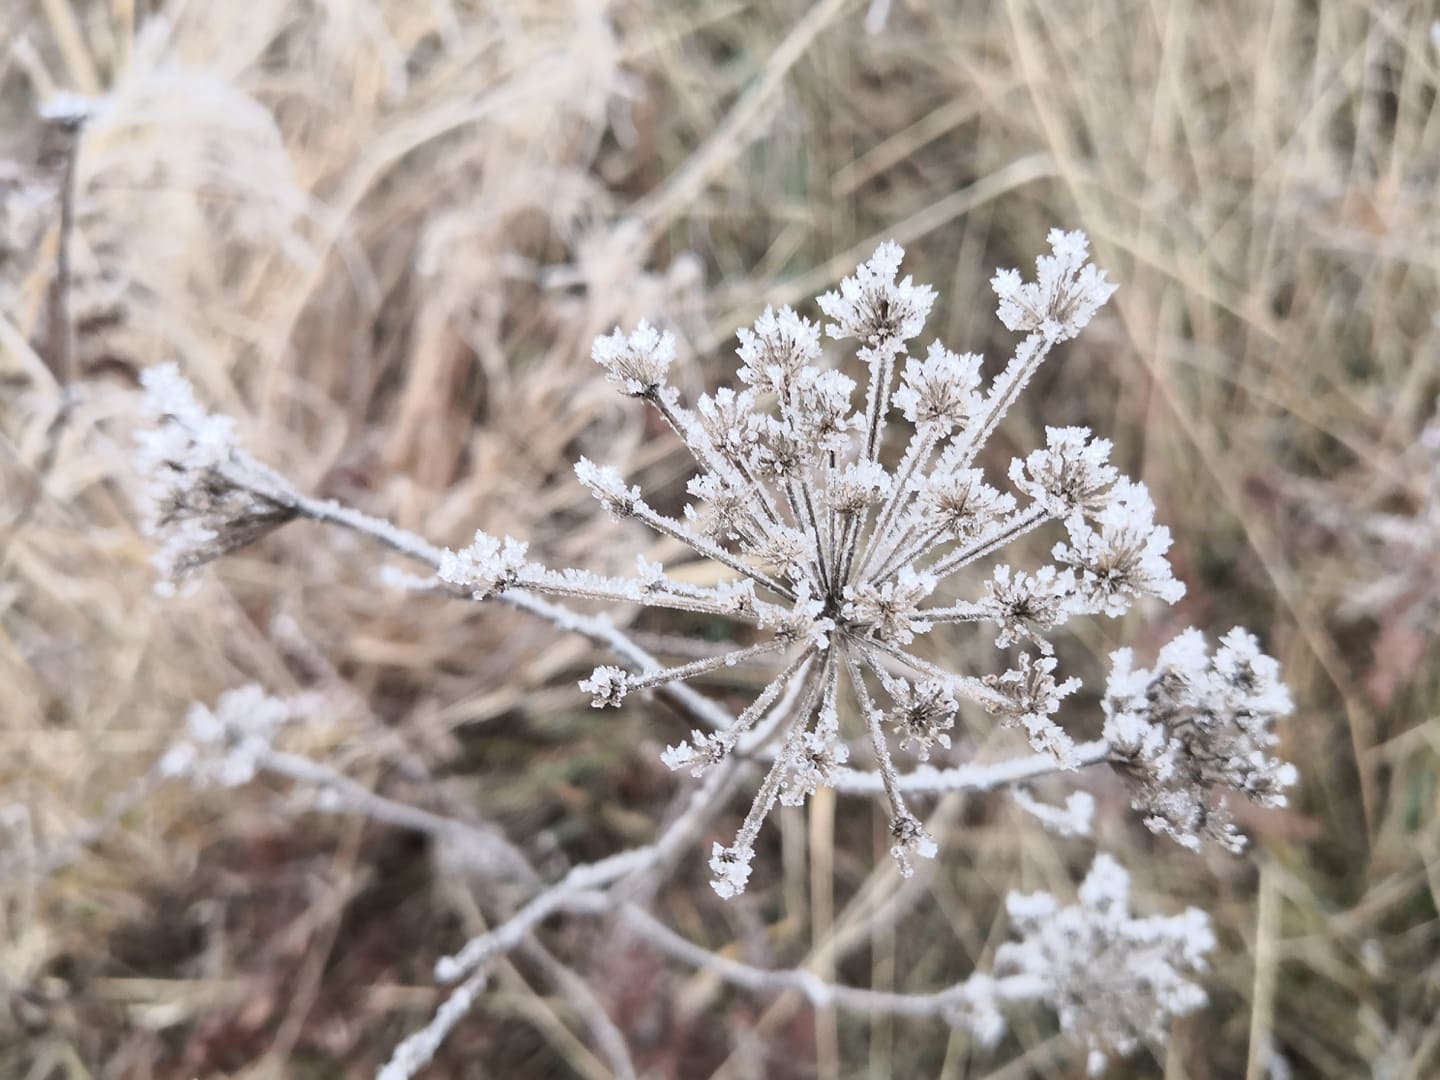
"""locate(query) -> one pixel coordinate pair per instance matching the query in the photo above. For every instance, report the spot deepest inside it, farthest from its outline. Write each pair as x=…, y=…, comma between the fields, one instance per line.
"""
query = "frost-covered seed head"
x=606, y=686
x=203, y=496
x=911, y=841
x=874, y=309
x=1112, y=978
x=731, y=867
x=922, y=713
x=636, y=364
x=941, y=388
x=958, y=502
x=844, y=551
x=1065, y=295
x=820, y=753
x=777, y=350
x=1031, y=697
x=1195, y=729
x=890, y=612
x=1026, y=605
x=1073, y=473
x=227, y=743
x=859, y=486
x=1124, y=558
x=702, y=752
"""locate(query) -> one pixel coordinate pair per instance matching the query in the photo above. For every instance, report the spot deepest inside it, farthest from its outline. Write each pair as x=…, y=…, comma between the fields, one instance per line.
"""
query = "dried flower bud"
x=204, y=497
x=941, y=388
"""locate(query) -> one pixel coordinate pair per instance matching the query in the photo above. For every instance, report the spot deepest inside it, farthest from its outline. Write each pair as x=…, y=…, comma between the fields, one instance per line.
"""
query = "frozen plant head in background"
x=203, y=495
x=840, y=560
x=1112, y=979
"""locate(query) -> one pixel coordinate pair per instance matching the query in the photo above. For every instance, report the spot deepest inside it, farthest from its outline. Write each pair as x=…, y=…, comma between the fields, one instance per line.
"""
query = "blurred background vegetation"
x=382, y=233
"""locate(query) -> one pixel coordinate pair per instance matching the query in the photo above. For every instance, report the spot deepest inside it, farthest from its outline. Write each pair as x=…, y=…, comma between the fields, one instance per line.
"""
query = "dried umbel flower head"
x=204, y=496
x=1195, y=728
x=1113, y=979
x=839, y=560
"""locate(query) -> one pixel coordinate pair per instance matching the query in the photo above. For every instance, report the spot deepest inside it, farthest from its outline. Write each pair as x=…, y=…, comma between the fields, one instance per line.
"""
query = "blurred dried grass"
x=382, y=234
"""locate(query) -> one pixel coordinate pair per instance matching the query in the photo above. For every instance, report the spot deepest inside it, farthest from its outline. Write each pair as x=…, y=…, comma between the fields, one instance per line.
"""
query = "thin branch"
x=821, y=994
x=928, y=780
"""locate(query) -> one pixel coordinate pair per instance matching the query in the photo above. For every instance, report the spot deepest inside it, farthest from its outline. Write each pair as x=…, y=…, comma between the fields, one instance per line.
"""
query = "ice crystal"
x=840, y=552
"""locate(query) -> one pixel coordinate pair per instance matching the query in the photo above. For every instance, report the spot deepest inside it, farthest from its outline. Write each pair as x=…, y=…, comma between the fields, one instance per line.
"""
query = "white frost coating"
x=1074, y=818
x=488, y=566
x=606, y=686
x=731, y=867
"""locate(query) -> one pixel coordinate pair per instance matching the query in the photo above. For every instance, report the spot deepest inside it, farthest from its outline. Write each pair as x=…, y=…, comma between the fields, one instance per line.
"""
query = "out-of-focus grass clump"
x=382, y=235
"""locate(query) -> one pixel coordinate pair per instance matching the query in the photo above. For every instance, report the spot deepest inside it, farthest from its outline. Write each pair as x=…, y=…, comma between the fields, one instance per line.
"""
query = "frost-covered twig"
x=977, y=777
